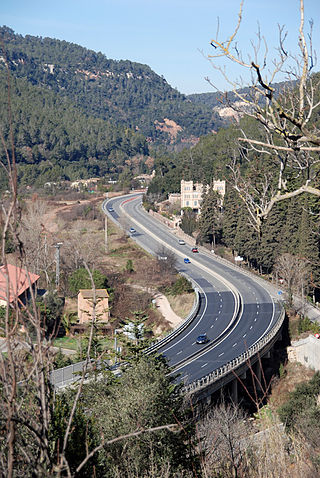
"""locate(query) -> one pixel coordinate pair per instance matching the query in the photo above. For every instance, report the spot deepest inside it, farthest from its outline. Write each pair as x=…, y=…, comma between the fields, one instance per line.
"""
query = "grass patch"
x=181, y=304
x=66, y=343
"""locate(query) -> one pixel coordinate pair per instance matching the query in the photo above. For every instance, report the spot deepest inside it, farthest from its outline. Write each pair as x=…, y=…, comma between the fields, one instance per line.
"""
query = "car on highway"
x=110, y=209
x=181, y=242
x=186, y=260
x=202, y=339
x=132, y=230
x=194, y=249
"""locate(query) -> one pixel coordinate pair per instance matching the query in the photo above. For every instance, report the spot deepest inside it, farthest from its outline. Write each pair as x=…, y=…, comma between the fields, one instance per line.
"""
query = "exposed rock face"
x=236, y=111
x=170, y=127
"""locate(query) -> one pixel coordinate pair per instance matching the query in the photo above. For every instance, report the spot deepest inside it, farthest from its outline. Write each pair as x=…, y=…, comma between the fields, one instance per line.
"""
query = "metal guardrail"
x=236, y=362
x=179, y=328
x=65, y=376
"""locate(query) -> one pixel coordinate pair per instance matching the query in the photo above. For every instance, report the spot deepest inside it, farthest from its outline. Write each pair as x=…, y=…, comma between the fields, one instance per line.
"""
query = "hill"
x=123, y=92
x=55, y=140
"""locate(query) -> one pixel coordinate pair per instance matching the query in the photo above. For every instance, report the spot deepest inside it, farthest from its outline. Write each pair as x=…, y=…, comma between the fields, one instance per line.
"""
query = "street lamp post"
x=57, y=246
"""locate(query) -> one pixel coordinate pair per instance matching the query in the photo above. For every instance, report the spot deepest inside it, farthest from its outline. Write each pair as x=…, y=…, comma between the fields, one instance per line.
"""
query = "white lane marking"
x=211, y=326
x=204, y=365
x=179, y=352
x=194, y=343
x=259, y=284
x=255, y=319
x=251, y=327
x=234, y=344
x=219, y=311
x=244, y=335
x=220, y=355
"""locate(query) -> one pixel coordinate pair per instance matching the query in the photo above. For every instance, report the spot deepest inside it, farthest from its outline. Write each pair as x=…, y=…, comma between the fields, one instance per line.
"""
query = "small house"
x=85, y=305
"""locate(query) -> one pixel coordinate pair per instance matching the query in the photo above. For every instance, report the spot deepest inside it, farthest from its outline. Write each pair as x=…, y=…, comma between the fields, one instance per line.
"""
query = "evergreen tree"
x=231, y=209
x=210, y=222
x=270, y=245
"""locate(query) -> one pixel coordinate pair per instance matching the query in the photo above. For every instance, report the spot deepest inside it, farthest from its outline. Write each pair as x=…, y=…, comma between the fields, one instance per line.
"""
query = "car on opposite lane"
x=194, y=249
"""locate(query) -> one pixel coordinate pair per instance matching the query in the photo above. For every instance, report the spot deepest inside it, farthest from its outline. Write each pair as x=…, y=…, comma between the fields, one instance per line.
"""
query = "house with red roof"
x=16, y=284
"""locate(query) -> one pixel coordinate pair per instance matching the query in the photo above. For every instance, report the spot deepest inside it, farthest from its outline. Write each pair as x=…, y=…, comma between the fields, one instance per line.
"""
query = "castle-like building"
x=191, y=193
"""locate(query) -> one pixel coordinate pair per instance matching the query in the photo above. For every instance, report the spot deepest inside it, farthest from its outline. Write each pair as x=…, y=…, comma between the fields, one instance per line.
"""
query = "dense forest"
x=123, y=92
x=55, y=141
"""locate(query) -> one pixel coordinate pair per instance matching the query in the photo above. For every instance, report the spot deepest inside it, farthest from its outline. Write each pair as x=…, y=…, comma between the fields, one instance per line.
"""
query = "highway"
x=236, y=309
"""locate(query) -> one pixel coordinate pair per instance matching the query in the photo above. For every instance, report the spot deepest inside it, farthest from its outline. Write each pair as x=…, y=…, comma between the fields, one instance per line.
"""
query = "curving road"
x=236, y=309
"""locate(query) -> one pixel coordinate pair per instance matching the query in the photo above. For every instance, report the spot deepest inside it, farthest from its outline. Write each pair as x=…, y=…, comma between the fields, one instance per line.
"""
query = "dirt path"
x=164, y=307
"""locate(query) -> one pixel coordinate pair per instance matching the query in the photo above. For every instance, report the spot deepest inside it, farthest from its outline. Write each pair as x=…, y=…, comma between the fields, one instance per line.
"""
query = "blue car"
x=132, y=230
x=186, y=260
x=202, y=339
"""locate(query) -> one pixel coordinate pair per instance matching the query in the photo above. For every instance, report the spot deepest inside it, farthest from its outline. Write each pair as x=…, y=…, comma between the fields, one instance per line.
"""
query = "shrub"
x=181, y=286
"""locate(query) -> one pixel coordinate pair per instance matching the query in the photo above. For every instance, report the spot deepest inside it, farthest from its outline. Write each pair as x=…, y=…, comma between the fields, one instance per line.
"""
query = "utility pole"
x=106, y=233
x=57, y=246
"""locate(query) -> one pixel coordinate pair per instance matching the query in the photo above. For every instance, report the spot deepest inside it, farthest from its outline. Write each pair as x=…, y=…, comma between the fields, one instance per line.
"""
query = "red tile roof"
x=18, y=281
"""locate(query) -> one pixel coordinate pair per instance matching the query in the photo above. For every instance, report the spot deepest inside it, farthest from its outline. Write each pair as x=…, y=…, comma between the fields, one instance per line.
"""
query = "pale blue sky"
x=167, y=35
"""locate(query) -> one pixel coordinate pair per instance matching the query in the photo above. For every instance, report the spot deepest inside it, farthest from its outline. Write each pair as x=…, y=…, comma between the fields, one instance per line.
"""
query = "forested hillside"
x=123, y=92
x=55, y=141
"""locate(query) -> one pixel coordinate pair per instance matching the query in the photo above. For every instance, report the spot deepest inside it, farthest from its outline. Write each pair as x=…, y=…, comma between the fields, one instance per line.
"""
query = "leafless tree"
x=39, y=253
x=293, y=271
x=290, y=139
x=221, y=433
x=166, y=260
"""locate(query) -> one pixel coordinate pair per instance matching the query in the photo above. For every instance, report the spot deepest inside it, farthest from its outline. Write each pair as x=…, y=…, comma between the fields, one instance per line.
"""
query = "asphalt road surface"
x=219, y=283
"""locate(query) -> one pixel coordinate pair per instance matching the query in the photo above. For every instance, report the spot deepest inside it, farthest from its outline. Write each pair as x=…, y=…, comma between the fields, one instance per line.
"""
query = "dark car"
x=202, y=339
x=194, y=249
x=186, y=260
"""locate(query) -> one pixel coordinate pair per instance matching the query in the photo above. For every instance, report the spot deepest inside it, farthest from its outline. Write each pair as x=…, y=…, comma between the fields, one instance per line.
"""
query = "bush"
x=181, y=286
x=306, y=325
x=302, y=402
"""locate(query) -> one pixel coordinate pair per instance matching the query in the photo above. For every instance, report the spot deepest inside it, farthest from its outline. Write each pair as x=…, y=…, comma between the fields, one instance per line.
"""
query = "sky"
x=171, y=36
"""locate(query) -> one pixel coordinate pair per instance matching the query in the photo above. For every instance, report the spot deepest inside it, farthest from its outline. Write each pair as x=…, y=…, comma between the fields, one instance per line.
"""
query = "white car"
x=181, y=242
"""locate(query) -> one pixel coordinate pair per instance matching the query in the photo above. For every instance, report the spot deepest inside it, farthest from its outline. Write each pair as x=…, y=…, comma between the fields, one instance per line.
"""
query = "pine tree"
x=210, y=222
